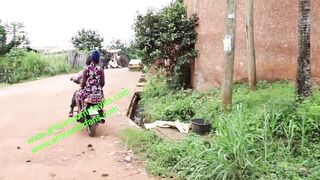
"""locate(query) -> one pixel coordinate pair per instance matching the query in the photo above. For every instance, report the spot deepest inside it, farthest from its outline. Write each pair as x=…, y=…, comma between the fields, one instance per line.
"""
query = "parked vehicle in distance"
x=135, y=64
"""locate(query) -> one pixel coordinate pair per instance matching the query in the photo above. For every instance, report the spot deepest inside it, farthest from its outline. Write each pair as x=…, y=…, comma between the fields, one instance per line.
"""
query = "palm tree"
x=304, y=83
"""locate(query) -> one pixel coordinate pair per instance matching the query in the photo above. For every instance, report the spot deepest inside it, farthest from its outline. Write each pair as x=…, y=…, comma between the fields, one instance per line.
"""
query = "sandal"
x=70, y=113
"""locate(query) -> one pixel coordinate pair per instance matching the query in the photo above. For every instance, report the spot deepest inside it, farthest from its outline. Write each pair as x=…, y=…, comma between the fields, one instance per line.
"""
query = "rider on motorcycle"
x=92, y=80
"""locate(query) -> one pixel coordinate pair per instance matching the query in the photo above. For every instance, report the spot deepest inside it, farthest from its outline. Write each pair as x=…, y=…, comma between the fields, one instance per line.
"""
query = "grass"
x=21, y=66
x=266, y=136
x=2, y=85
x=3, y=61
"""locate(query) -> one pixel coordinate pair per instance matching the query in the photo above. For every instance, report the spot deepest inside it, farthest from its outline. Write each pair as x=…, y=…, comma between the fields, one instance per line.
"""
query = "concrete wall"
x=276, y=40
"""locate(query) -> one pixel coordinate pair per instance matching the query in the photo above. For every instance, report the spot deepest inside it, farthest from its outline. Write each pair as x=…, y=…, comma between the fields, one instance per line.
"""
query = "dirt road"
x=29, y=108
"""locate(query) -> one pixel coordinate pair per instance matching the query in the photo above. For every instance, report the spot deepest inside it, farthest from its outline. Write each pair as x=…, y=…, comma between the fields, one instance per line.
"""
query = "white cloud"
x=54, y=22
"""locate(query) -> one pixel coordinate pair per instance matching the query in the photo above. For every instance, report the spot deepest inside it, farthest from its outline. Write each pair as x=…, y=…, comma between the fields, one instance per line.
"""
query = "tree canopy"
x=3, y=38
x=87, y=40
x=12, y=35
x=129, y=50
x=168, y=34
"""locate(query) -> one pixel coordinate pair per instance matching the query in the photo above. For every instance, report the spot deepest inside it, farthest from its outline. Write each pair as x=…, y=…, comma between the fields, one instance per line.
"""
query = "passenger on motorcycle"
x=77, y=80
x=92, y=82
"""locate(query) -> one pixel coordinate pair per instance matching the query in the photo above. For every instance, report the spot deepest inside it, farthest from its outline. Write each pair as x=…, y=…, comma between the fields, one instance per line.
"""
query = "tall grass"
x=20, y=65
x=266, y=136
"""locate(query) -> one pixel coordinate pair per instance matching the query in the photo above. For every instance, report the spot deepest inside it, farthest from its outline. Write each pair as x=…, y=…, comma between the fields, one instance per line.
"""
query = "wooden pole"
x=251, y=59
x=229, y=49
x=304, y=79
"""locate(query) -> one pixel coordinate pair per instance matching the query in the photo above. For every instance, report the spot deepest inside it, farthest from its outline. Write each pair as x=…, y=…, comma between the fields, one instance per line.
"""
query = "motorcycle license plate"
x=93, y=112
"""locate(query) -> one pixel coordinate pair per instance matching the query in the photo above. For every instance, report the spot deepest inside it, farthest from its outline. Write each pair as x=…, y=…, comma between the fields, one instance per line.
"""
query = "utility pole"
x=251, y=59
x=304, y=79
x=229, y=51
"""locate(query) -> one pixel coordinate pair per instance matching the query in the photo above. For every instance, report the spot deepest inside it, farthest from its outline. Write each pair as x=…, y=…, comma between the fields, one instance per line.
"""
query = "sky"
x=54, y=22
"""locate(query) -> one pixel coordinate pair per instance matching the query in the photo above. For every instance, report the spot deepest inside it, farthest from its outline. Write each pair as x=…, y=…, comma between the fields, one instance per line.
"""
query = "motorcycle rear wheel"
x=91, y=129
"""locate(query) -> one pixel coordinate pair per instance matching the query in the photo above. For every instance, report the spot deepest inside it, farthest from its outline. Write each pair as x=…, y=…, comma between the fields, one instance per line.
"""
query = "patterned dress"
x=93, y=72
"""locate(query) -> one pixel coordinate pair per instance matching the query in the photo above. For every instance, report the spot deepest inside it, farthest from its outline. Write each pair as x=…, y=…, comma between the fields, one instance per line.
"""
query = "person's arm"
x=80, y=75
x=102, y=79
x=84, y=79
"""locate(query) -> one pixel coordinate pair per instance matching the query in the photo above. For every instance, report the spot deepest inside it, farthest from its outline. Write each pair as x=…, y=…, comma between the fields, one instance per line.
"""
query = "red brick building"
x=276, y=40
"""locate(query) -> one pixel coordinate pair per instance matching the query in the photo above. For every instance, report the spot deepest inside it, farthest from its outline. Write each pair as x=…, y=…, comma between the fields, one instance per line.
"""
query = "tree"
x=147, y=33
x=250, y=46
x=168, y=34
x=87, y=40
x=3, y=39
x=304, y=83
x=17, y=34
x=116, y=44
x=129, y=50
x=229, y=48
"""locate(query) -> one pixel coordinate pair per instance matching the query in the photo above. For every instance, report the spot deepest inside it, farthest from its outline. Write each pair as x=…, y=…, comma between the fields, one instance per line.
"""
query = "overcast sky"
x=54, y=22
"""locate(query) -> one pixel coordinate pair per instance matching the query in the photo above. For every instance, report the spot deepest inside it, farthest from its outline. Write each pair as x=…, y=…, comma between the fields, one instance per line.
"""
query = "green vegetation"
x=168, y=34
x=3, y=61
x=17, y=35
x=87, y=40
x=266, y=136
x=19, y=65
x=127, y=49
x=160, y=103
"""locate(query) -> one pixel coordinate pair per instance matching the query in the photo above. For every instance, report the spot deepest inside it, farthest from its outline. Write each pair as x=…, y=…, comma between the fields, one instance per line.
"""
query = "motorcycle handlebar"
x=75, y=81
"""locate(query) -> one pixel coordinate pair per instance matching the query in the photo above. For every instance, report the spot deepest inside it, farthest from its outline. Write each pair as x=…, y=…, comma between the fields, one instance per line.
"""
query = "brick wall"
x=276, y=40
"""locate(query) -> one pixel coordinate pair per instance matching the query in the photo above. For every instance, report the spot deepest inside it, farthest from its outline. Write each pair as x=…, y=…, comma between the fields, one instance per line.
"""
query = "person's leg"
x=78, y=105
x=73, y=103
x=78, y=99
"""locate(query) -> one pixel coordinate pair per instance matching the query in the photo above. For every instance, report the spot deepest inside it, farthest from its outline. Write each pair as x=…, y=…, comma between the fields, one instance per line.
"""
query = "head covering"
x=95, y=56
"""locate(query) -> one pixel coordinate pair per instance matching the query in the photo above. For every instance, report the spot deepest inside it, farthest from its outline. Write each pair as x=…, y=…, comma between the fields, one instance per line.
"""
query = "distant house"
x=276, y=40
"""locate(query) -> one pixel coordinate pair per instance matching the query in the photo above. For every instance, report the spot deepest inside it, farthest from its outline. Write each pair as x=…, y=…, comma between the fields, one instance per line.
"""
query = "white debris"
x=128, y=159
x=182, y=127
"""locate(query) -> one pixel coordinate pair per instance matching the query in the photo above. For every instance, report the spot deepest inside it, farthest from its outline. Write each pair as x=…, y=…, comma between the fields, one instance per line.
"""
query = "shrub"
x=155, y=86
x=160, y=103
x=16, y=53
x=168, y=34
x=24, y=65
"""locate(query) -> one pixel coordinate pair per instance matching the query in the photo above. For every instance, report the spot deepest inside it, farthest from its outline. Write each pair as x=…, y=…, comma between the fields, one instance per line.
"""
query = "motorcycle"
x=92, y=113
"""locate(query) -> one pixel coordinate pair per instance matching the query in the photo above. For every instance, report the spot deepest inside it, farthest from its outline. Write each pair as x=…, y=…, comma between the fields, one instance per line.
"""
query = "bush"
x=168, y=34
x=160, y=103
x=15, y=54
x=155, y=86
x=24, y=65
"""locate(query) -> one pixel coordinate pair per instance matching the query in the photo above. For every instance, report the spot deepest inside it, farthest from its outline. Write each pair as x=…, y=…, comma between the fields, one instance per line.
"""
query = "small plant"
x=139, y=141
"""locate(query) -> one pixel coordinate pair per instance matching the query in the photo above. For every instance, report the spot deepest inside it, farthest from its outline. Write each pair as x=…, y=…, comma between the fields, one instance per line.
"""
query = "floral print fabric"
x=93, y=72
